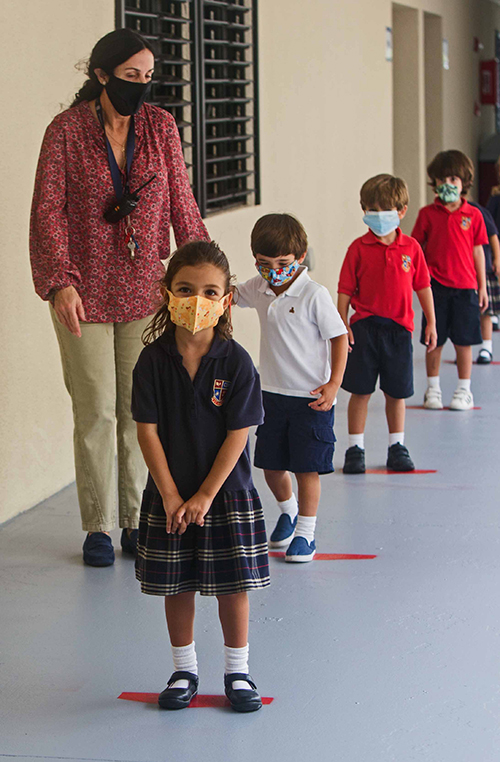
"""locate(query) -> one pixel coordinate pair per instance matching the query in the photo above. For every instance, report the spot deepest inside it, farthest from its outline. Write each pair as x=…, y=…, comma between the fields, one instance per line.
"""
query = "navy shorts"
x=382, y=348
x=457, y=315
x=294, y=437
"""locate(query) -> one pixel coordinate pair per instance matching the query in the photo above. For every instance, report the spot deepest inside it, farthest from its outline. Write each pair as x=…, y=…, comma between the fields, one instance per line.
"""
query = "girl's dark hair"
x=112, y=50
x=449, y=163
x=192, y=254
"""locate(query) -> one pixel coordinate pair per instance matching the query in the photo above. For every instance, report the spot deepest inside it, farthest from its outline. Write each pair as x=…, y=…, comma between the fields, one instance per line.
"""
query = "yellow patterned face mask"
x=194, y=313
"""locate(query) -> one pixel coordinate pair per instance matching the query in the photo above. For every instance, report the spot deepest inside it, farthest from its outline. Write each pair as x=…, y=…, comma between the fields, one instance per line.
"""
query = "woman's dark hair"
x=192, y=254
x=112, y=50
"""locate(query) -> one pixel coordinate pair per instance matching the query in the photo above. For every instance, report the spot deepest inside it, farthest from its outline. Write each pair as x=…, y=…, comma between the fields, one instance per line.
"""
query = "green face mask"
x=448, y=193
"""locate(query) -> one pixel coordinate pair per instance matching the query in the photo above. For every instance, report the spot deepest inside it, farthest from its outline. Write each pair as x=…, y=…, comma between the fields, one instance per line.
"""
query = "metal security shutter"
x=168, y=24
x=206, y=76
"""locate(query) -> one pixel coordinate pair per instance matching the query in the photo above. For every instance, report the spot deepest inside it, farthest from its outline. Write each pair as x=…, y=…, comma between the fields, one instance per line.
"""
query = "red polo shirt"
x=448, y=240
x=381, y=278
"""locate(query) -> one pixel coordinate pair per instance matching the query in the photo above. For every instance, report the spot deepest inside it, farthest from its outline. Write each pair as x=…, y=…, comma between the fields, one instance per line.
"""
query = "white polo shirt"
x=295, y=331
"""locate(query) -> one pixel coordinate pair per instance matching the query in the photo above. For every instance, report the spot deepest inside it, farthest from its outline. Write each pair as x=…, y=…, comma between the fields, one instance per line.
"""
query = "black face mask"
x=127, y=97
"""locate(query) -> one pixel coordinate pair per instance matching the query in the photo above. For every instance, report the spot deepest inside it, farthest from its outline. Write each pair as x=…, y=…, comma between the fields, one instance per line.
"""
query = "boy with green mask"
x=452, y=233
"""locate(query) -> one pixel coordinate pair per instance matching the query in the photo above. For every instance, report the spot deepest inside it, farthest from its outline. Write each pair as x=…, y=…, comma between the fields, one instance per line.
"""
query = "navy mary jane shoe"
x=179, y=698
x=242, y=700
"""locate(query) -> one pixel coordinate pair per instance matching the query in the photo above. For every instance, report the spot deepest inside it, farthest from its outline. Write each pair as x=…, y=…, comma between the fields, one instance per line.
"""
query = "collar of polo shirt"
x=371, y=238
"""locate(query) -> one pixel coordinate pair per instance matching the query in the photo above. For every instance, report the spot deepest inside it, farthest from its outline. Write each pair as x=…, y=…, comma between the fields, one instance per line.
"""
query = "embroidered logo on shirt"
x=292, y=309
x=406, y=262
x=465, y=222
x=220, y=389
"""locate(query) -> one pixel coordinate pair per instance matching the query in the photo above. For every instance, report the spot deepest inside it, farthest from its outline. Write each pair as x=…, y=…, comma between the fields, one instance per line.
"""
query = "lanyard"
x=113, y=166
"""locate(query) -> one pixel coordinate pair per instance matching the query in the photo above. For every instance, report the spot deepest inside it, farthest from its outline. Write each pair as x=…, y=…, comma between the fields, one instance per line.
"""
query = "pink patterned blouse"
x=71, y=244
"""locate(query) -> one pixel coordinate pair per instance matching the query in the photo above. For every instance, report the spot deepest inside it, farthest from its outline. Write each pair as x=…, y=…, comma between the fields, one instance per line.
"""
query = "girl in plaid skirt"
x=195, y=394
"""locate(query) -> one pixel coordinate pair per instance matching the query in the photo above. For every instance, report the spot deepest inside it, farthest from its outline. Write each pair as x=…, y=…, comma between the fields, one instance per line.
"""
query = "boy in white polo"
x=303, y=353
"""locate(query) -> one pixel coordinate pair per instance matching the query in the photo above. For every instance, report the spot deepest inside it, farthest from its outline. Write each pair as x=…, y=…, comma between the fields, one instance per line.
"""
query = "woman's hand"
x=69, y=309
x=171, y=505
x=193, y=511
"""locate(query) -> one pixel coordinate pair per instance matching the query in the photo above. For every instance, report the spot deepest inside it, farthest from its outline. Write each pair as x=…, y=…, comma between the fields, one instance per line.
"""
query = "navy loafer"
x=179, y=698
x=242, y=700
x=129, y=541
x=98, y=550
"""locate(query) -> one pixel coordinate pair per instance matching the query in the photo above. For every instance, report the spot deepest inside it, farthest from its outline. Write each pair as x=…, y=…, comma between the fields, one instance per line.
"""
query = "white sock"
x=357, y=440
x=464, y=383
x=184, y=658
x=236, y=660
x=395, y=438
x=289, y=506
x=433, y=382
x=488, y=344
x=305, y=527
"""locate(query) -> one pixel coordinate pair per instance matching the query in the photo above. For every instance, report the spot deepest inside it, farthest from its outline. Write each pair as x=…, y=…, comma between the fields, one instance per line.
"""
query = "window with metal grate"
x=206, y=76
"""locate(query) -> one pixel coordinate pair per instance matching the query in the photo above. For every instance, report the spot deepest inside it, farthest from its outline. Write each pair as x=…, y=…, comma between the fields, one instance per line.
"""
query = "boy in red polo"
x=380, y=272
x=452, y=233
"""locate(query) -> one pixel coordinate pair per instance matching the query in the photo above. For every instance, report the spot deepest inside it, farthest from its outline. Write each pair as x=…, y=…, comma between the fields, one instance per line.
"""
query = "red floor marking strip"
x=387, y=471
x=197, y=702
x=327, y=556
x=421, y=407
x=493, y=362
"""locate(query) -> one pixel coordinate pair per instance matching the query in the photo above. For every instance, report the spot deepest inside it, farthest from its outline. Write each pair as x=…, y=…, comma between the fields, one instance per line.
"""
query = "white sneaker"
x=462, y=400
x=433, y=399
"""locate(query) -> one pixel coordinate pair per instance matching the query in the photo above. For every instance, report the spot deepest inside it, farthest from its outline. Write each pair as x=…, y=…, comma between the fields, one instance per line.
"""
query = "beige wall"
x=326, y=125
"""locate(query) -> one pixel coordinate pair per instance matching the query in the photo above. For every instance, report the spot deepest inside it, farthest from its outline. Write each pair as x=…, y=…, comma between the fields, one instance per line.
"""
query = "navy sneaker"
x=354, y=462
x=98, y=550
x=398, y=458
x=179, y=698
x=300, y=551
x=129, y=541
x=242, y=700
x=283, y=531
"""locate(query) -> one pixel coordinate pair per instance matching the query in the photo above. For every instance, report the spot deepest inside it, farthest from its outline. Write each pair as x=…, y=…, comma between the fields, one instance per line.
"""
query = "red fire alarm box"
x=488, y=82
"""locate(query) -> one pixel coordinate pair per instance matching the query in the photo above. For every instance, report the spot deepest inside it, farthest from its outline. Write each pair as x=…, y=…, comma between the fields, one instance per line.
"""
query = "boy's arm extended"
x=194, y=509
x=480, y=267
x=156, y=461
x=427, y=303
x=329, y=390
x=343, y=303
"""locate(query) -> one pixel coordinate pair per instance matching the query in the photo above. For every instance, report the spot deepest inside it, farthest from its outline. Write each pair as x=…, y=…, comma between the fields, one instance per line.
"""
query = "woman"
x=99, y=275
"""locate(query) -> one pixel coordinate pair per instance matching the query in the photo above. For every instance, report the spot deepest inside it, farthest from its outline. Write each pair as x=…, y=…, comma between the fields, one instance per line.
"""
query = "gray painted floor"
x=395, y=658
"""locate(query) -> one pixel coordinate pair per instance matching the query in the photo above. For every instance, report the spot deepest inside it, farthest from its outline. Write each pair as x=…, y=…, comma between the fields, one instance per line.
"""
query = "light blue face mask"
x=382, y=223
x=448, y=193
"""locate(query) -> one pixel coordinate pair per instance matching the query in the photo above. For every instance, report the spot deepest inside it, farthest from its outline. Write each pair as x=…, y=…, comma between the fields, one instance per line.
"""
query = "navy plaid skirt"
x=226, y=555
x=493, y=288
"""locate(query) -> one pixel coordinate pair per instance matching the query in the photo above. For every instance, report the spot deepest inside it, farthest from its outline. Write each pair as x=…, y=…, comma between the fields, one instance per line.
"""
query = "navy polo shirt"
x=193, y=417
x=491, y=229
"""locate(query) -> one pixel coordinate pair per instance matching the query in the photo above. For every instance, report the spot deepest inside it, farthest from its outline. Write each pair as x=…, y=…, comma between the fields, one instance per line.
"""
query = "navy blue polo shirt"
x=491, y=229
x=193, y=417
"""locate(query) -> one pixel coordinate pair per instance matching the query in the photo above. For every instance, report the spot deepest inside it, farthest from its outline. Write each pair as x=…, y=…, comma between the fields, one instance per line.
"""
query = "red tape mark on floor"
x=421, y=407
x=493, y=362
x=388, y=471
x=196, y=703
x=327, y=556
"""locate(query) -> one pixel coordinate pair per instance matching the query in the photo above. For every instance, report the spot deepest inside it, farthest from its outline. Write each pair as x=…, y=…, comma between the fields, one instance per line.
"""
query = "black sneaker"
x=354, y=462
x=398, y=458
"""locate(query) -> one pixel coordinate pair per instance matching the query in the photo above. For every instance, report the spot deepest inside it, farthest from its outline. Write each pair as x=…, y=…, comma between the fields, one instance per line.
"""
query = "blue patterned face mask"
x=278, y=277
x=448, y=193
x=382, y=223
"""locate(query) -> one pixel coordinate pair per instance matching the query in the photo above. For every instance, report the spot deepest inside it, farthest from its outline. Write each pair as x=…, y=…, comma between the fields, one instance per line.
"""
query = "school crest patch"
x=406, y=262
x=220, y=389
x=465, y=222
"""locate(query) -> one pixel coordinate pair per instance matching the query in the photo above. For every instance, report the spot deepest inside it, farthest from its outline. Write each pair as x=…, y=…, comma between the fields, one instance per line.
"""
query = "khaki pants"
x=97, y=372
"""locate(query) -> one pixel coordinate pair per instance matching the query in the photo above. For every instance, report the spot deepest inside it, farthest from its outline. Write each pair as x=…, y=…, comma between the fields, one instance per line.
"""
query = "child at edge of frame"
x=195, y=394
x=303, y=351
x=381, y=270
x=492, y=262
x=452, y=233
